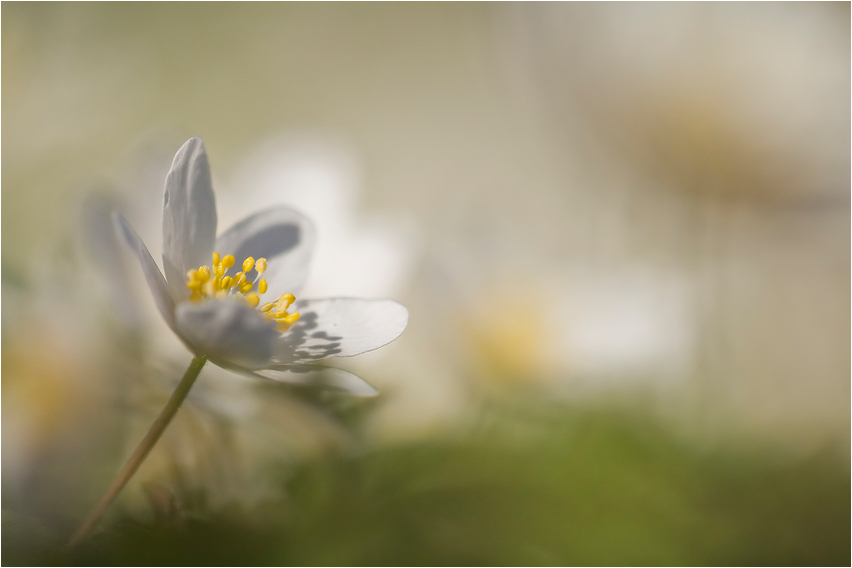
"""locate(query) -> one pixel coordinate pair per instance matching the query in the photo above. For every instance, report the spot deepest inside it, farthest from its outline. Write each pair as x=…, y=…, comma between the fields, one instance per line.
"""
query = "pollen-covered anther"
x=260, y=265
x=285, y=321
x=284, y=301
x=292, y=318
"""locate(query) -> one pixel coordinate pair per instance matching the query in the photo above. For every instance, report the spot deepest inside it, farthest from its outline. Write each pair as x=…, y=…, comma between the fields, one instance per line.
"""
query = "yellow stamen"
x=293, y=318
x=211, y=282
x=285, y=300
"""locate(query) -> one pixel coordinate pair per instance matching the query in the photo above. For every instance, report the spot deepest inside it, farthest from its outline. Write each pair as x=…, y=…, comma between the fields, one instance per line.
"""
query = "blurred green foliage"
x=588, y=488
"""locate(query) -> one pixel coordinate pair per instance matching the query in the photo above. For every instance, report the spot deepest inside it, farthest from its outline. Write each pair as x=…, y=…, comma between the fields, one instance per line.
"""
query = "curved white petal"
x=105, y=249
x=281, y=235
x=153, y=276
x=228, y=331
x=339, y=327
x=189, y=216
x=313, y=375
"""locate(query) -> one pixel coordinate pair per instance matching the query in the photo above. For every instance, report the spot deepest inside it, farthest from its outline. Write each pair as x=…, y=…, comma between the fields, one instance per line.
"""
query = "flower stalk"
x=141, y=452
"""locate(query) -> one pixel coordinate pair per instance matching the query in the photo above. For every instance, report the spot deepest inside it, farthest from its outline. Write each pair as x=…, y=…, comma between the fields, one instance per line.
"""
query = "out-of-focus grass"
x=582, y=488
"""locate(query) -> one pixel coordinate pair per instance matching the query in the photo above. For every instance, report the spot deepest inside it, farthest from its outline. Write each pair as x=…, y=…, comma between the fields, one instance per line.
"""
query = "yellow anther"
x=211, y=282
x=293, y=318
x=285, y=322
x=203, y=274
x=285, y=300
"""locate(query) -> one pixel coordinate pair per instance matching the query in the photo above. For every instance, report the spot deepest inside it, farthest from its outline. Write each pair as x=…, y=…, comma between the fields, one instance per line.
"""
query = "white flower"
x=244, y=317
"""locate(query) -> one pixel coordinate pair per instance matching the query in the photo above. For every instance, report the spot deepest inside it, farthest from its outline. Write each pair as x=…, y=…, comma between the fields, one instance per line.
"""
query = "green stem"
x=142, y=450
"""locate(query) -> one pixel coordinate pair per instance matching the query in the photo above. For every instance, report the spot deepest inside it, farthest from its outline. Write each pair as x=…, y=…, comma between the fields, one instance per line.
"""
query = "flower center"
x=214, y=282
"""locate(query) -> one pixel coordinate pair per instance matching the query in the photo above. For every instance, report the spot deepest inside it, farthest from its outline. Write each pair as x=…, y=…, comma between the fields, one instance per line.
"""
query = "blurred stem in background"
x=154, y=433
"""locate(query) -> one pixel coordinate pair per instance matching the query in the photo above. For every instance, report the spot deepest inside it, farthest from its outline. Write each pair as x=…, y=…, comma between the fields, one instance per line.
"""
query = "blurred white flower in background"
x=59, y=361
x=714, y=142
x=635, y=323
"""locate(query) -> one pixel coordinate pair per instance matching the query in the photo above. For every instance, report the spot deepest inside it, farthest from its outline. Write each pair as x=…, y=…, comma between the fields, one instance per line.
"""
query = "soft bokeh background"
x=622, y=232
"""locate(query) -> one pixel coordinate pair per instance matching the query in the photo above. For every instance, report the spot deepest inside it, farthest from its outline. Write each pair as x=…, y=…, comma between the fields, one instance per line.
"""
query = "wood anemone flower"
x=245, y=317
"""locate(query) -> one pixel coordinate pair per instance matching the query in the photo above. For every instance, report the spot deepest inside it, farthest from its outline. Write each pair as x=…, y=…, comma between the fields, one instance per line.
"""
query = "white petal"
x=189, y=216
x=339, y=327
x=106, y=251
x=281, y=235
x=313, y=375
x=228, y=331
x=153, y=276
